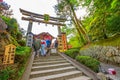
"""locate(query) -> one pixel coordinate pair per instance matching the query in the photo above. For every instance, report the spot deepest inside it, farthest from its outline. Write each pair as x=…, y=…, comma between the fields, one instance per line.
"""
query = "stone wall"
x=106, y=54
x=4, y=39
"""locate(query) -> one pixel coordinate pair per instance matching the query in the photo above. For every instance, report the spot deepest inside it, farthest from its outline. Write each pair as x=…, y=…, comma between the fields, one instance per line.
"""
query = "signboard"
x=9, y=54
x=62, y=42
x=46, y=17
x=29, y=40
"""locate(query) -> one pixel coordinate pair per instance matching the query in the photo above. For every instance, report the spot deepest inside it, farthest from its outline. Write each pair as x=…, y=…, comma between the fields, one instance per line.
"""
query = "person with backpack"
x=48, y=43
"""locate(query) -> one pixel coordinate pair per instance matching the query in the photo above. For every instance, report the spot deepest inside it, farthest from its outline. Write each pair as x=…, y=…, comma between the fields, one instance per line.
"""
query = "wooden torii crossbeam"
x=40, y=18
x=42, y=21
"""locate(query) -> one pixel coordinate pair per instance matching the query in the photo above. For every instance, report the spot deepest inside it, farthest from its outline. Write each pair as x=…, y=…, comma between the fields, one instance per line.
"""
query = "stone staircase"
x=55, y=67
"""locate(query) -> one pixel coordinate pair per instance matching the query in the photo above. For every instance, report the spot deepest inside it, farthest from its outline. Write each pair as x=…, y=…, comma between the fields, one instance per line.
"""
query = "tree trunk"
x=79, y=26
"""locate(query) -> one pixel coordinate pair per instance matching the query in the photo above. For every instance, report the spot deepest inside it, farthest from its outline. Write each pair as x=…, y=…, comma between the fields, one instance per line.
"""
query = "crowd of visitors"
x=43, y=46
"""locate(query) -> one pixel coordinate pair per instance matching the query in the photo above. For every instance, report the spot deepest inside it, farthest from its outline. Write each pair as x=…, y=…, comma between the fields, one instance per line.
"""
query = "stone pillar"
x=29, y=40
x=29, y=35
x=29, y=27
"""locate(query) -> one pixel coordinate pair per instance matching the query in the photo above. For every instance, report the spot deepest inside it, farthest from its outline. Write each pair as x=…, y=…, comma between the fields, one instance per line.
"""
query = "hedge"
x=89, y=62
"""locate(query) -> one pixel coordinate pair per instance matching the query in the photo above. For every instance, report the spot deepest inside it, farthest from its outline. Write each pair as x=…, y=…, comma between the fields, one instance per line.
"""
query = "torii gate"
x=34, y=17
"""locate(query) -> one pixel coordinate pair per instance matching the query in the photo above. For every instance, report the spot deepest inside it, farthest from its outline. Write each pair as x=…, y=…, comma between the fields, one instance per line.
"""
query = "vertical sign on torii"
x=34, y=17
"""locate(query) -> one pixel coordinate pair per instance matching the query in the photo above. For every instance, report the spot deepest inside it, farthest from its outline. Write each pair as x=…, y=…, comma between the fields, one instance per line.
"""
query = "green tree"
x=67, y=8
x=103, y=18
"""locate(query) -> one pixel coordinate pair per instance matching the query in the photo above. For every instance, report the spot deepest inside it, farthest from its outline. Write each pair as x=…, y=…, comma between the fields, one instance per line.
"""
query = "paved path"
x=107, y=66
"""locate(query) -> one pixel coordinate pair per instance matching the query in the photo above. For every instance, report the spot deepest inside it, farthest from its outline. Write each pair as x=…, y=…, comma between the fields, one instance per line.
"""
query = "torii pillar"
x=29, y=27
x=59, y=30
x=29, y=34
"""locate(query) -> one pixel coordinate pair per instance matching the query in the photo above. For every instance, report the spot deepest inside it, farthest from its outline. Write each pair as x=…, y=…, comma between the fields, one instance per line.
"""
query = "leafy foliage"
x=12, y=26
x=66, y=8
x=113, y=24
x=103, y=19
x=6, y=73
x=22, y=55
x=23, y=50
x=114, y=41
x=72, y=53
x=19, y=36
x=75, y=41
x=13, y=29
x=22, y=42
x=89, y=62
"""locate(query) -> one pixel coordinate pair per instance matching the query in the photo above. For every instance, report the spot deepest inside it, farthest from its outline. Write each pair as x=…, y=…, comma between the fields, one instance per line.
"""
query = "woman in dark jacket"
x=36, y=45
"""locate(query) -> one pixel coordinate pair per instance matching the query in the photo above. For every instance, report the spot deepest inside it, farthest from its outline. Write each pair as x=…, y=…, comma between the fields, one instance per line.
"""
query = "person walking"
x=56, y=43
x=36, y=45
x=43, y=47
x=48, y=43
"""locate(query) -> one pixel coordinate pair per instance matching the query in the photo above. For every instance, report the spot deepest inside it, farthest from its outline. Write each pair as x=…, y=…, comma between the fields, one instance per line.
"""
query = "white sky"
x=40, y=7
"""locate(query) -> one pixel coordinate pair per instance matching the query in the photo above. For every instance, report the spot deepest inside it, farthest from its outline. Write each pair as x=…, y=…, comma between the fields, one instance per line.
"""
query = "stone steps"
x=81, y=78
x=51, y=71
x=46, y=67
x=49, y=63
x=44, y=60
x=61, y=76
x=55, y=67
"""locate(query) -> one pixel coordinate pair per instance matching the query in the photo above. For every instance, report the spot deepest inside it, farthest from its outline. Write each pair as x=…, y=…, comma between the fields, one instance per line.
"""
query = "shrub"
x=13, y=41
x=19, y=36
x=72, y=53
x=22, y=42
x=5, y=74
x=22, y=54
x=89, y=62
x=21, y=57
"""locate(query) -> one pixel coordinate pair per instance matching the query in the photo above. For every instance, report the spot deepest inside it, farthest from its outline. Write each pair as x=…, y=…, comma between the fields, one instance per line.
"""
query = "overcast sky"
x=40, y=7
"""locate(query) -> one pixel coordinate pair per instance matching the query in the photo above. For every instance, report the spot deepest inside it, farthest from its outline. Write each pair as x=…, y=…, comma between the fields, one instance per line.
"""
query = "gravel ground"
x=117, y=69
